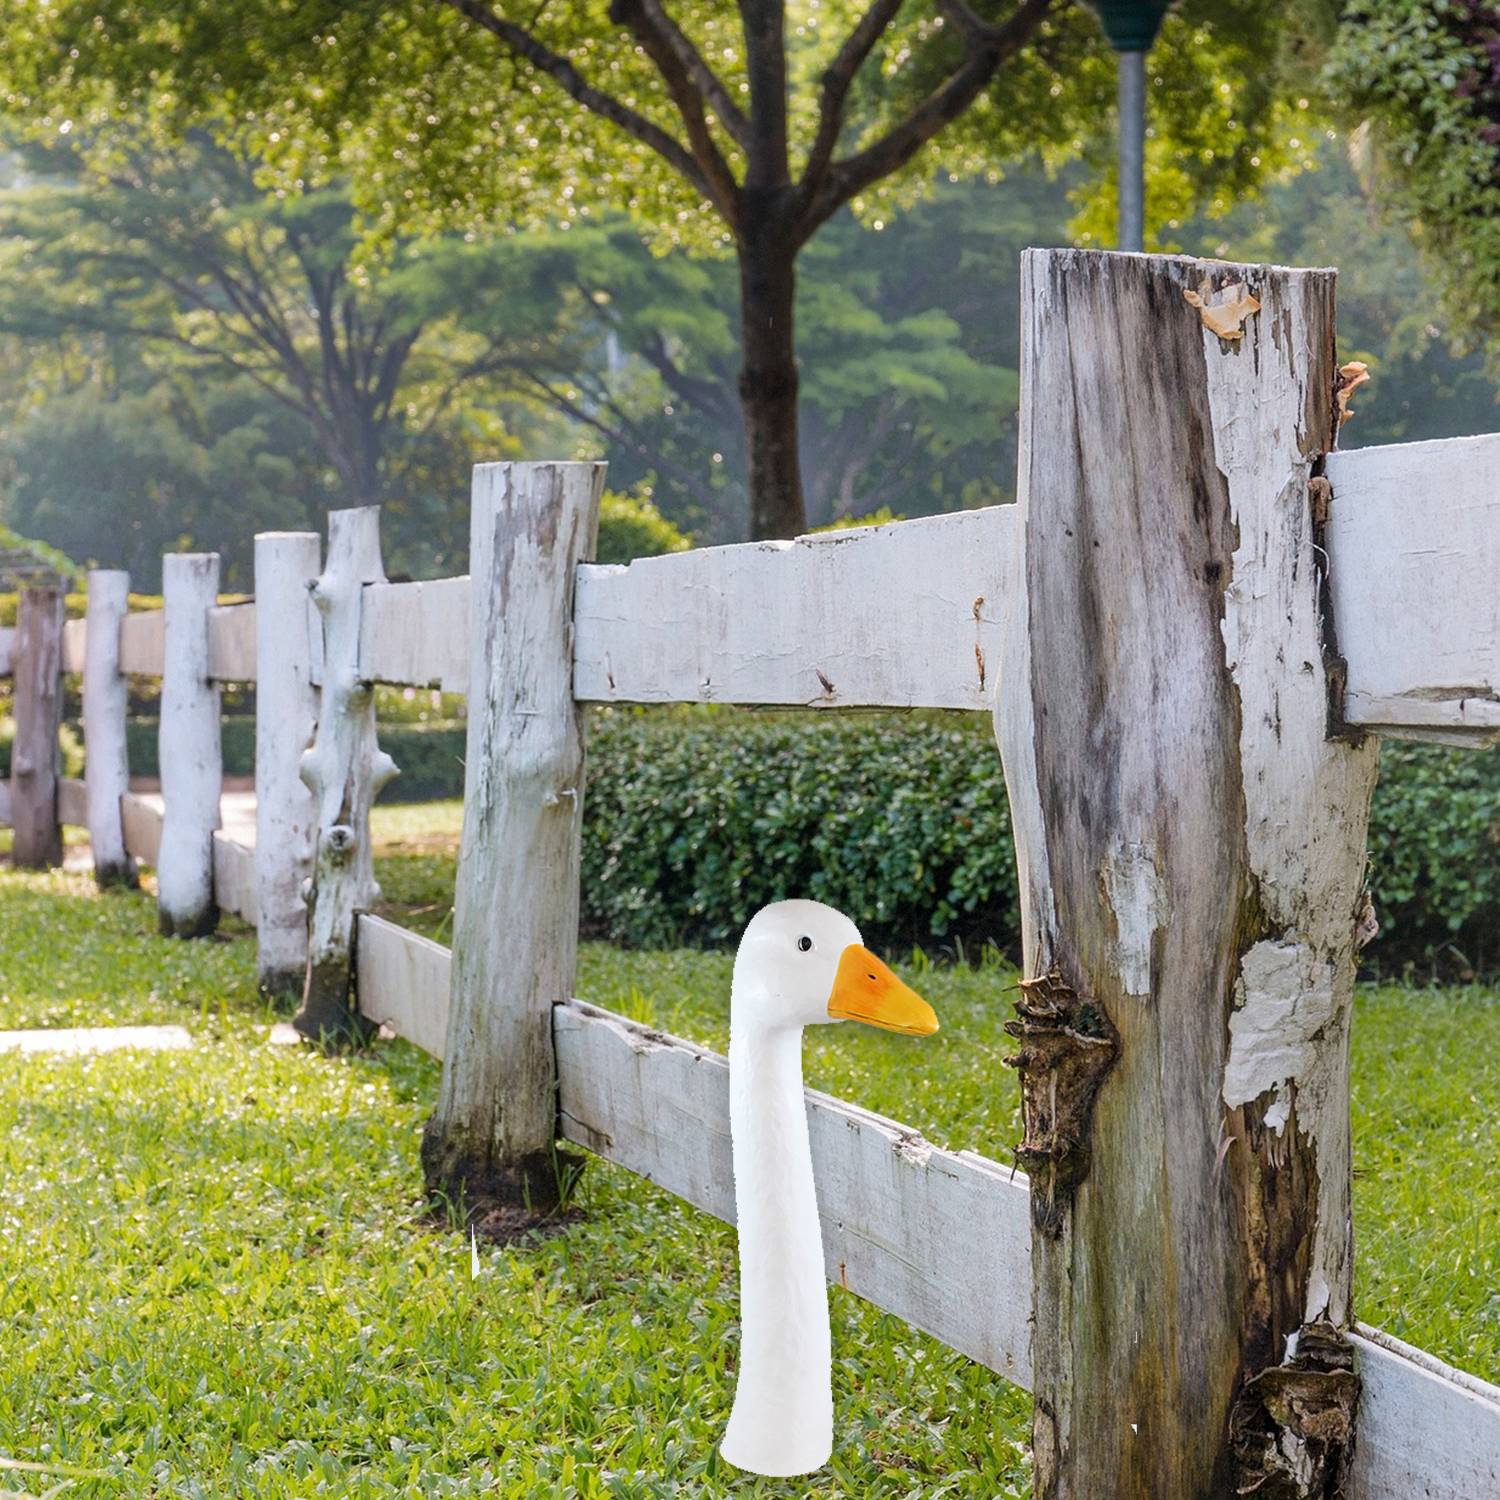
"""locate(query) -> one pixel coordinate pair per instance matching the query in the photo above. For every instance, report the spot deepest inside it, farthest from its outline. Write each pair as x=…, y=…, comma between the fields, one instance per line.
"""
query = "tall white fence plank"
x=345, y=770
x=904, y=615
x=515, y=918
x=105, y=703
x=189, y=753
x=1414, y=549
x=416, y=634
x=286, y=712
x=7, y=648
x=35, y=756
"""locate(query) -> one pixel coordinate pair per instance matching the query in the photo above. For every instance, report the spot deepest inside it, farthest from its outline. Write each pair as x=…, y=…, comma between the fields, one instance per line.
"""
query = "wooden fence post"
x=35, y=755
x=345, y=770
x=515, y=930
x=105, y=702
x=1190, y=824
x=189, y=749
x=286, y=711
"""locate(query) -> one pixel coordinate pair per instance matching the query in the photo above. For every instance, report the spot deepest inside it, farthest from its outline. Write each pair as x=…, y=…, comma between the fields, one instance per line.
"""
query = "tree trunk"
x=515, y=923
x=1191, y=850
x=35, y=755
x=768, y=378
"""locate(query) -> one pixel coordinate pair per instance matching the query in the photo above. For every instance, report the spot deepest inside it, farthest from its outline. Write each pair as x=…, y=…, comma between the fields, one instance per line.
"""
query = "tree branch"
x=764, y=24
x=835, y=84
x=705, y=80
x=522, y=43
x=666, y=46
x=989, y=46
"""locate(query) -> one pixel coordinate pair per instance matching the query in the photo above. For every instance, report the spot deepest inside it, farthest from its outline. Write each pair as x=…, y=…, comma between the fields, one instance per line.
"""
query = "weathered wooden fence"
x=1191, y=628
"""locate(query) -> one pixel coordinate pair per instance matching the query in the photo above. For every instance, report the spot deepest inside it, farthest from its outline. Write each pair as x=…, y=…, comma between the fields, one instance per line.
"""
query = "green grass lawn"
x=216, y=1281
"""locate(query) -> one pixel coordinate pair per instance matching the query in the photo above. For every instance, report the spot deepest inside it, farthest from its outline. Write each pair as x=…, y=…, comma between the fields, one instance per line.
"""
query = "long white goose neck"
x=782, y=1422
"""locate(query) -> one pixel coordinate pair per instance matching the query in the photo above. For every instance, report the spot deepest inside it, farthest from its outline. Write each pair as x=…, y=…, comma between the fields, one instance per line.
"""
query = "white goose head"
x=801, y=963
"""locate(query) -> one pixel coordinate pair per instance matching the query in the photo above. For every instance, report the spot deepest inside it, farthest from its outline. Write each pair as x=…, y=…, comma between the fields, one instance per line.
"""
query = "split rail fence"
x=1348, y=595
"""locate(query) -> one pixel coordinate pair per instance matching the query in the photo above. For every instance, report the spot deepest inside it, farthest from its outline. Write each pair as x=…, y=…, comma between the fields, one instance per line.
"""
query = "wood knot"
x=1067, y=1046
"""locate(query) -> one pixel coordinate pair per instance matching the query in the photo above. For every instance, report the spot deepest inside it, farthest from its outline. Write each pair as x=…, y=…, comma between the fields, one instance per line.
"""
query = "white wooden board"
x=75, y=633
x=1414, y=559
x=142, y=643
x=72, y=802
x=905, y=615
x=402, y=982
x=234, y=877
x=1426, y=1430
x=142, y=815
x=231, y=642
x=4, y=802
x=7, y=644
x=416, y=633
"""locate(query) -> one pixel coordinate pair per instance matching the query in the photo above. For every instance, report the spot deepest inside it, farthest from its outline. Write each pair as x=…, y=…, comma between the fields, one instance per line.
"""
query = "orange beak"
x=865, y=990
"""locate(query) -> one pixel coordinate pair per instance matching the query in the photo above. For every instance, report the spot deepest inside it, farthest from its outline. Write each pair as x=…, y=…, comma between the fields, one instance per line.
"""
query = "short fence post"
x=286, y=711
x=1190, y=825
x=515, y=931
x=105, y=701
x=35, y=756
x=189, y=749
x=345, y=770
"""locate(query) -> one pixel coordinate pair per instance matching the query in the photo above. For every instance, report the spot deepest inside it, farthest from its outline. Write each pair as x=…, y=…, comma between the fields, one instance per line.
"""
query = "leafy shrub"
x=693, y=820
x=630, y=527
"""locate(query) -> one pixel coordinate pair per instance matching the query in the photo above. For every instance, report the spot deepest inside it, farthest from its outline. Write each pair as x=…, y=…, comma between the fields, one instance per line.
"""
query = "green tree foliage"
x=631, y=527
x=743, y=128
x=1421, y=81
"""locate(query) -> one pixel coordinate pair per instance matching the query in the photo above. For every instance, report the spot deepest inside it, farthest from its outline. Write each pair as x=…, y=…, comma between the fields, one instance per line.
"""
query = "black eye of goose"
x=804, y=943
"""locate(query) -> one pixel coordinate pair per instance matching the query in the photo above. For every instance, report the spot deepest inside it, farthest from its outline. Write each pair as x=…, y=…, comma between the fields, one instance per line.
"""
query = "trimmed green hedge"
x=693, y=820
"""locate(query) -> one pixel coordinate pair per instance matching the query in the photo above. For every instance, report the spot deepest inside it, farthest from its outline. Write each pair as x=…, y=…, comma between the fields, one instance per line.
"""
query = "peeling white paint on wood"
x=1142, y=906
x=902, y=615
x=416, y=634
x=105, y=704
x=1283, y=1000
x=1414, y=549
x=189, y=749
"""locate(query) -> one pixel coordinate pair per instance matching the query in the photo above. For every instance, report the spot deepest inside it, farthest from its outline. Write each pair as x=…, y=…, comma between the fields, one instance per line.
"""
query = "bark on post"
x=1191, y=835
x=105, y=695
x=34, y=755
x=286, y=710
x=515, y=931
x=345, y=770
x=189, y=750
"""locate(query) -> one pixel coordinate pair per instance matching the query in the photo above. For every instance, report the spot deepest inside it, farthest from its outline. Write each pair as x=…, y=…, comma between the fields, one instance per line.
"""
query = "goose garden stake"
x=800, y=963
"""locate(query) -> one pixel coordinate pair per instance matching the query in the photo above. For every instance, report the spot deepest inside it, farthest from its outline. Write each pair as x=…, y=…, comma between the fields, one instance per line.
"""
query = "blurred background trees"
x=238, y=295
